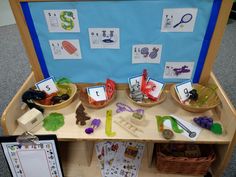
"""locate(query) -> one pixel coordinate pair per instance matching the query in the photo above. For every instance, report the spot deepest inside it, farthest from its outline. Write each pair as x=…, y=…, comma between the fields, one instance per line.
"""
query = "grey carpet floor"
x=14, y=69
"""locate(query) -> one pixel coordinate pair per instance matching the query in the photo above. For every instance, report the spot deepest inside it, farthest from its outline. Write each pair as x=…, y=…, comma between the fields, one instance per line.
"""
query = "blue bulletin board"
x=139, y=22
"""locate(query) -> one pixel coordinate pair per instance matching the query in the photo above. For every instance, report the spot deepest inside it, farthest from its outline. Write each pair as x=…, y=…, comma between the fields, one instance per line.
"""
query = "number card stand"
x=32, y=156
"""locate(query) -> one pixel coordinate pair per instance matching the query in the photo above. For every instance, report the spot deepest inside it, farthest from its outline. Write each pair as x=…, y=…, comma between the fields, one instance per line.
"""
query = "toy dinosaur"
x=81, y=116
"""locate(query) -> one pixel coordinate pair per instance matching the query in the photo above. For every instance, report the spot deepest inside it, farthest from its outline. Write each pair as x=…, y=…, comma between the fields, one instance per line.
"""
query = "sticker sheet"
x=65, y=20
x=99, y=147
x=65, y=49
x=179, y=20
x=121, y=158
x=104, y=38
x=146, y=53
x=33, y=160
x=178, y=70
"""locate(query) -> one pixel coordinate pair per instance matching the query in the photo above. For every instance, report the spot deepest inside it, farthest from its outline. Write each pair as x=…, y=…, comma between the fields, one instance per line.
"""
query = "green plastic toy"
x=53, y=121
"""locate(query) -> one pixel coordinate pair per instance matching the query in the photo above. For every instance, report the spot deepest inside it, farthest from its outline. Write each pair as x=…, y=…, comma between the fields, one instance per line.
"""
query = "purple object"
x=89, y=130
x=121, y=107
x=94, y=124
x=183, y=69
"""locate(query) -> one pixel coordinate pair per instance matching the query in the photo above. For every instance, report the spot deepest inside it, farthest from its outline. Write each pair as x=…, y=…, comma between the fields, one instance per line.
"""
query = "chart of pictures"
x=158, y=39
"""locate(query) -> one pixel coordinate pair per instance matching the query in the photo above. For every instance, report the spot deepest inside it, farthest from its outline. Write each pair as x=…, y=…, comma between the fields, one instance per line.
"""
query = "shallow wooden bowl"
x=83, y=96
x=64, y=103
x=150, y=103
x=210, y=95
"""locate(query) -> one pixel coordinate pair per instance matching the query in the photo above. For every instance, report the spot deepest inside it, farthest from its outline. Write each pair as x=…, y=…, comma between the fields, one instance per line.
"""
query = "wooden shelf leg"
x=89, y=151
x=150, y=148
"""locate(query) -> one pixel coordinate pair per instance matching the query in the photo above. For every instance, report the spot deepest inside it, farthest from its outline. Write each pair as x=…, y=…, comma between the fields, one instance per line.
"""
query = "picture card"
x=146, y=53
x=183, y=90
x=159, y=86
x=65, y=49
x=179, y=19
x=178, y=70
x=136, y=82
x=97, y=93
x=63, y=20
x=189, y=130
x=104, y=38
x=48, y=85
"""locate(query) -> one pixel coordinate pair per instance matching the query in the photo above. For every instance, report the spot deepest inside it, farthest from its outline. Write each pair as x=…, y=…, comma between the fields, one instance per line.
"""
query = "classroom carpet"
x=15, y=69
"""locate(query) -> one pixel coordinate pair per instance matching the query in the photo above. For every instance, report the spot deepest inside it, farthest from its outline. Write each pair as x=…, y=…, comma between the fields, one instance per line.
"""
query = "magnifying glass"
x=185, y=19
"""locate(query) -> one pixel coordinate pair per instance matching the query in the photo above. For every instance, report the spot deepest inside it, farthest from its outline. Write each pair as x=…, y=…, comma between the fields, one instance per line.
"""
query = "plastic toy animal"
x=31, y=95
x=81, y=116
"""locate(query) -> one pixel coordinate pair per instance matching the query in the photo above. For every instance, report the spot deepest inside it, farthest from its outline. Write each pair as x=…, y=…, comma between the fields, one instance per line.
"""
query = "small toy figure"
x=94, y=124
x=30, y=95
x=81, y=116
x=193, y=95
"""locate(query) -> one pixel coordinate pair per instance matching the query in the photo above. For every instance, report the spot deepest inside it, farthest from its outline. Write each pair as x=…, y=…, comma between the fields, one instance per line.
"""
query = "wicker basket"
x=212, y=99
x=185, y=165
x=83, y=96
x=149, y=103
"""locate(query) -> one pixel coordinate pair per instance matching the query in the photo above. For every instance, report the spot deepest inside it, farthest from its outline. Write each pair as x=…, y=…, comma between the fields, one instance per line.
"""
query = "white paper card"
x=191, y=129
x=158, y=88
x=178, y=70
x=65, y=20
x=146, y=53
x=33, y=160
x=97, y=93
x=65, y=49
x=135, y=81
x=104, y=38
x=48, y=85
x=179, y=19
x=183, y=90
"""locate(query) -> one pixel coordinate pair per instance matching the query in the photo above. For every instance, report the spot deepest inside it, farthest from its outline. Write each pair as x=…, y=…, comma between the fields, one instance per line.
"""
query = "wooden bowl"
x=210, y=95
x=83, y=96
x=62, y=104
x=150, y=103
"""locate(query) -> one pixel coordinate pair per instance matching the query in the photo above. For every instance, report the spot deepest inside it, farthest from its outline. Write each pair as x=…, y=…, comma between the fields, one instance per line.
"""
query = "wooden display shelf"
x=150, y=131
x=71, y=135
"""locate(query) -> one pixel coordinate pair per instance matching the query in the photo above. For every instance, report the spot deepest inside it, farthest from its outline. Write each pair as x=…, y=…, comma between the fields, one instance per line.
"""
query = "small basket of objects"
x=145, y=91
x=186, y=159
x=60, y=98
x=197, y=98
x=99, y=95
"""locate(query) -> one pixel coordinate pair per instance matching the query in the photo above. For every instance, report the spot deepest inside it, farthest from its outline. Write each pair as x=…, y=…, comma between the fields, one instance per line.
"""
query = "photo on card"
x=179, y=19
x=183, y=89
x=146, y=53
x=158, y=88
x=65, y=49
x=135, y=82
x=104, y=38
x=97, y=93
x=63, y=20
x=178, y=70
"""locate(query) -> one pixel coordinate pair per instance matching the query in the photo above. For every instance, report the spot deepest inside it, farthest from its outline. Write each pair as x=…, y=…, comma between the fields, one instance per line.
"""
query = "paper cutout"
x=104, y=38
x=146, y=53
x=179, y=19
x=159, y=86
x=48, y=85
x=183, y=90
x=65, y=20
x=97, y=93
x=188, y=125
x=65, y=49
x=178, y=70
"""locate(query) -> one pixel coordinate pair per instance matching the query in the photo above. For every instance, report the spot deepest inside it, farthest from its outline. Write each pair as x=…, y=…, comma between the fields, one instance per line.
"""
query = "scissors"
x=185, y=19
